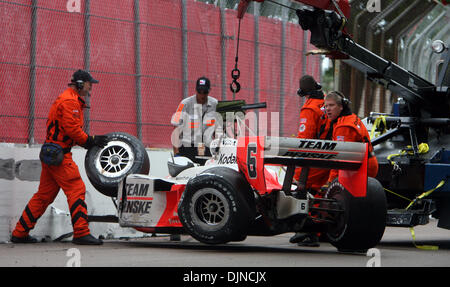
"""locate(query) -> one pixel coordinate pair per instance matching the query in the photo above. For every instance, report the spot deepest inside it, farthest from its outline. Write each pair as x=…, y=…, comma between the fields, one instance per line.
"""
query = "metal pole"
x=223, y=52
x=256, y=57
x=87, y=61
x=304, y=59
x=137, y=51
x=282, y=76
x=32, y=107
x=184, y=41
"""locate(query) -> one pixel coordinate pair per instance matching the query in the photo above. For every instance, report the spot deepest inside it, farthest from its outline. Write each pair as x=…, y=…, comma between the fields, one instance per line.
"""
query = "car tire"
x=212, y=209
x=240, y=182
x=123, y=155
x=362, y=223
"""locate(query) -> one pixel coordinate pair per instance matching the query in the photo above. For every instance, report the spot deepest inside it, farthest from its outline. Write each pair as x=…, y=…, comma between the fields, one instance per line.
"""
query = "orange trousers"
x=67, y=177
x=316, y=177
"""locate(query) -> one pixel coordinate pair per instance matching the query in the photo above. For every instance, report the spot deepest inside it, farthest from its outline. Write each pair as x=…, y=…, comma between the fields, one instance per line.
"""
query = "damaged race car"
x=239, y=193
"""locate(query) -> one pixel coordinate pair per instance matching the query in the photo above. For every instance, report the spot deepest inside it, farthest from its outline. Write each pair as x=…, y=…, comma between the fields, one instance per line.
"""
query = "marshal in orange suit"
x=59, y=171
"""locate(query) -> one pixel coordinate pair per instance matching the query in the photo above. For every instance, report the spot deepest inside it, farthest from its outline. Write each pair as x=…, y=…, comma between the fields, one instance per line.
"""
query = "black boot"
x=87, y=240
x=310, y=240
x=26, y=239
x=299, y=236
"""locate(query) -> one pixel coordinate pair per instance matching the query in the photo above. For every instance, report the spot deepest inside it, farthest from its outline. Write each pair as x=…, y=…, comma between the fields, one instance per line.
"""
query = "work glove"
x=98, y=140
x=323, y=189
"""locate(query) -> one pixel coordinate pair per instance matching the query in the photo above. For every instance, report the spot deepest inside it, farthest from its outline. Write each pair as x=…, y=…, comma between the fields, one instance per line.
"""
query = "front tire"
x=212, y=210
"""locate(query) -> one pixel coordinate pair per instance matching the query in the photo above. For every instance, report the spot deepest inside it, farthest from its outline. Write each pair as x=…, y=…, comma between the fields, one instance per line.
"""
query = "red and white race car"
x=237, y=193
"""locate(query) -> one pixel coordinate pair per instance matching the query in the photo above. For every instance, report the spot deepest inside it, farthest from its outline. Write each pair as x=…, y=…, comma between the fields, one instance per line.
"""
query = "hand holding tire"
x=98, y=140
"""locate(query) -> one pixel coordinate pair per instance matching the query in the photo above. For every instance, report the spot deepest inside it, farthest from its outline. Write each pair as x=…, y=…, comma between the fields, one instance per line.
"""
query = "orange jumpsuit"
x=64, y=127
x=312, y=118
x=350, y=128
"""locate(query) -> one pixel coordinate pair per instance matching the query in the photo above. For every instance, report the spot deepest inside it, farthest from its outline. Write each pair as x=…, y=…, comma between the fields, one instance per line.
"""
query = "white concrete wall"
x=19, y=179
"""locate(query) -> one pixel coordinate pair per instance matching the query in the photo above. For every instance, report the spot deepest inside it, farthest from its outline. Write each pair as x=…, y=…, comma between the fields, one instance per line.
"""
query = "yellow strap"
x=399, y=195
x=376, y=124
x=422, y=148
x=423, y=247
x=441, y=183
x=394, y=155
x=411, y=229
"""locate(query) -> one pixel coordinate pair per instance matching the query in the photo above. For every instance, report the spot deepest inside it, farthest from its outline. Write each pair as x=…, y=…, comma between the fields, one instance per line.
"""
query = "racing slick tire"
x=213, y=209
x=240, y=182
x=362, y=223
x=123, y=155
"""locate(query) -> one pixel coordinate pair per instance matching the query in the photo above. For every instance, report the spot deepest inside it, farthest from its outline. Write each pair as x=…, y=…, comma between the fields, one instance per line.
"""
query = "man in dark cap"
x=64, y=130
x=194, y=122
x=312, y=126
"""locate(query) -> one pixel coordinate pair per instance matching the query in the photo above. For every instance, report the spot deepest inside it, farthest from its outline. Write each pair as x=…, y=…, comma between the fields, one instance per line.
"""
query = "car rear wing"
x=314, y=153
x=350, y=158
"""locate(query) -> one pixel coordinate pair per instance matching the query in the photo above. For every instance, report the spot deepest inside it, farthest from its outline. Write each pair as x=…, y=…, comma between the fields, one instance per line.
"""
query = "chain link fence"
x=147, y=55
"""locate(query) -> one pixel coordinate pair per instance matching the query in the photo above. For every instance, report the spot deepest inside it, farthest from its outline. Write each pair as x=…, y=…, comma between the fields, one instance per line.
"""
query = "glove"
x=99, y=140
x=323, y=189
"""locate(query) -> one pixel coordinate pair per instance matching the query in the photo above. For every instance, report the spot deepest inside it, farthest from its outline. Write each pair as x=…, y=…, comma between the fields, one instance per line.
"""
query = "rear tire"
x=123, y=155
x=361, y=226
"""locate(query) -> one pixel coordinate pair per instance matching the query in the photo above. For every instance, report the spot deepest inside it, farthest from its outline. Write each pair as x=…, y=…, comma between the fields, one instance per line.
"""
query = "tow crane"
x=413, y=152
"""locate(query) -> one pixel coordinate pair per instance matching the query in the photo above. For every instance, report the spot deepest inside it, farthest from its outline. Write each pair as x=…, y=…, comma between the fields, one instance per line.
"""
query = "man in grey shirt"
x=194, y=122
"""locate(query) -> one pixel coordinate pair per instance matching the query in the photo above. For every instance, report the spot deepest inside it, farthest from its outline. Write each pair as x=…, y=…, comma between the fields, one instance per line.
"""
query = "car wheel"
x=362, y=223
x=240, y=182
x=212, y=210
x=123, y=155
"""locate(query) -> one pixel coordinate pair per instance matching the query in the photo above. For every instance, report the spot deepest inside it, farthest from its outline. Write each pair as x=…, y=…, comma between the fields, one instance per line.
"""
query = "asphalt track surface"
x=395, y=250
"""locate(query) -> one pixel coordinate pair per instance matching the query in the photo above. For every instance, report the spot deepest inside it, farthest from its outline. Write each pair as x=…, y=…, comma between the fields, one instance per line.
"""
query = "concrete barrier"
x=20, y=170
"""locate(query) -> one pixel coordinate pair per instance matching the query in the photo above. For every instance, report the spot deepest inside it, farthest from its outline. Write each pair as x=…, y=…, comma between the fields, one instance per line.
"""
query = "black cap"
x=203, y=85
x=84, y=76
x=308, y=84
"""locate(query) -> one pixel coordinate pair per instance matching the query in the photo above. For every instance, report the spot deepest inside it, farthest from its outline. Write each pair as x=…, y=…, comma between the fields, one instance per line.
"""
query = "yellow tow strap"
x=411, y=229
x=375, y=126
x=426, y=193
x=423, y=247
x=422, y=148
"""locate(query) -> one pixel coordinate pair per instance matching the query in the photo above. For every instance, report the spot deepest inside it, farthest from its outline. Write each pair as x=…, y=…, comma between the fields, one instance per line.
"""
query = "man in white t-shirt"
x=194, y=122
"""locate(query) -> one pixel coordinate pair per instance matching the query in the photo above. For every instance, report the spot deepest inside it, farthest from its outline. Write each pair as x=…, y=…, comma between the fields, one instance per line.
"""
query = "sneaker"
x=310, y=240
x=26, y=239
x=87, y=240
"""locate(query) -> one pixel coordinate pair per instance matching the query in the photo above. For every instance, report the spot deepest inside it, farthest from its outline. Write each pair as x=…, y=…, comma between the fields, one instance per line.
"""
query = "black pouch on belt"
x=51, y=154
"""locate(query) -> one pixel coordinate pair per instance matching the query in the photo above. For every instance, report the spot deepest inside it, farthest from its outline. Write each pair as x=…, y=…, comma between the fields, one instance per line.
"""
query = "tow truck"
x=413, y=147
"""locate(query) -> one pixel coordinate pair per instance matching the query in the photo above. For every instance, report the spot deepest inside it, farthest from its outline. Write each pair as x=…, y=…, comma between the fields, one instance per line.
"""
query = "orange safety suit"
x=64, y=127
x=312, y=118
x=350, y=128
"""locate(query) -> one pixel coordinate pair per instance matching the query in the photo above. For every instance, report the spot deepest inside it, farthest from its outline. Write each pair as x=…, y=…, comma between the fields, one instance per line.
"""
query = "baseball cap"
x=203, y=85
x=84, y=76
x=308, y=83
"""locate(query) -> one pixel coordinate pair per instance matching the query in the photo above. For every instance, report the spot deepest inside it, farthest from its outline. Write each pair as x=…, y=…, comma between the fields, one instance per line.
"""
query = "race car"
x=238, y=193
